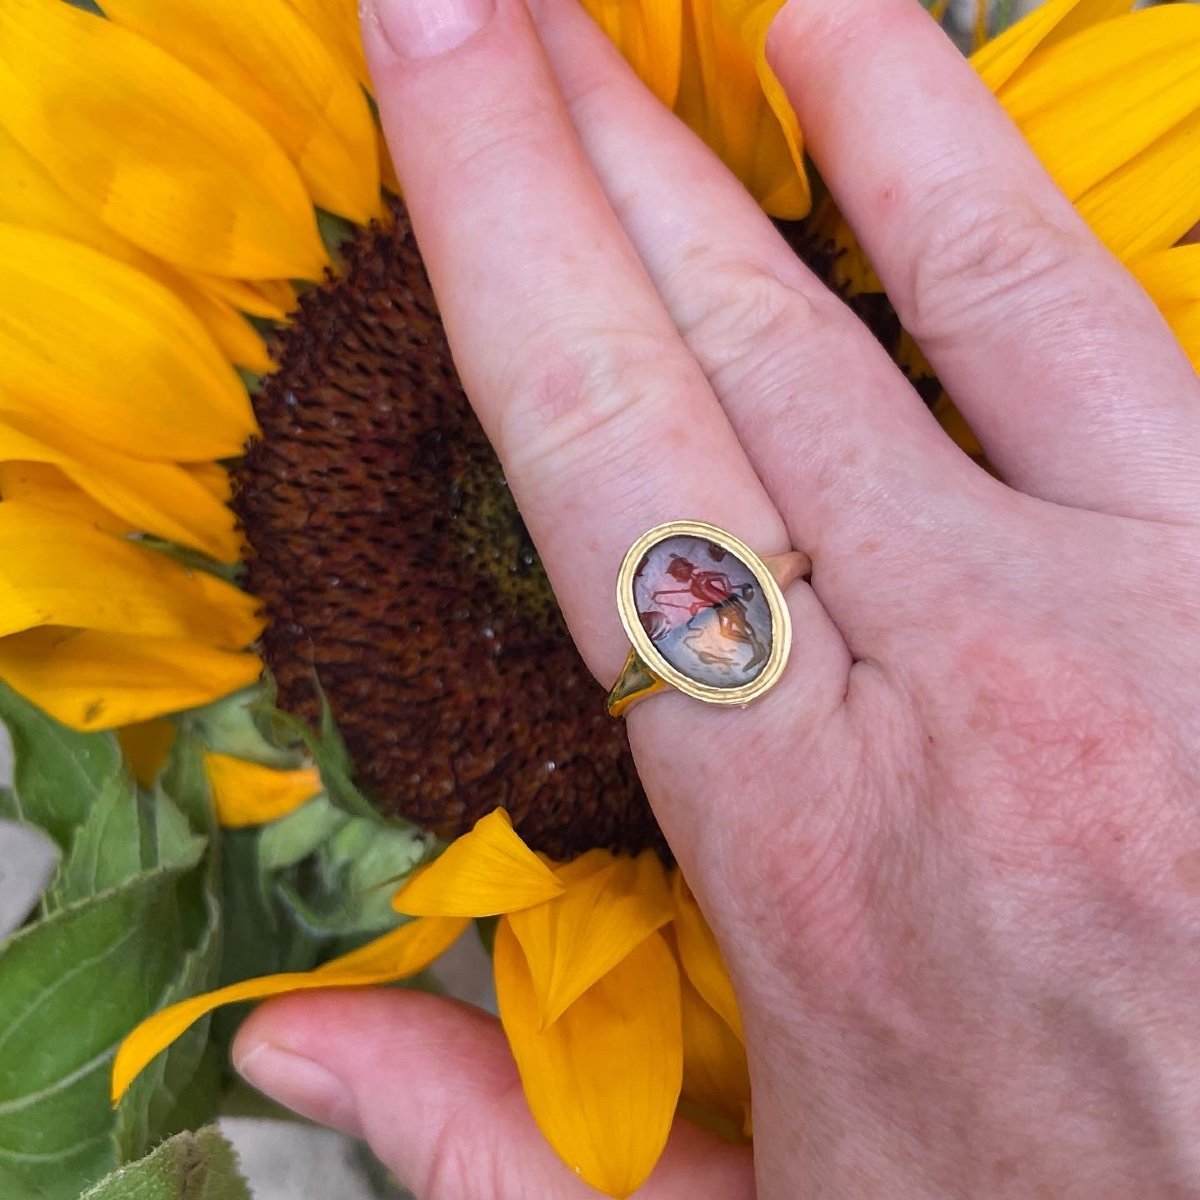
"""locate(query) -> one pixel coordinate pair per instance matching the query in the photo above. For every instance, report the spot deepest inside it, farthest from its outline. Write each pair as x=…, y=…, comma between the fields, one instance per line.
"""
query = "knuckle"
x=974, y=261
x=564, y=397
x=754, y=319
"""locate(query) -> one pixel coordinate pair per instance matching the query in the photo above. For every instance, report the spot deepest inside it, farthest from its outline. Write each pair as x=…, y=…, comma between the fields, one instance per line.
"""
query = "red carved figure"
x=702, y=592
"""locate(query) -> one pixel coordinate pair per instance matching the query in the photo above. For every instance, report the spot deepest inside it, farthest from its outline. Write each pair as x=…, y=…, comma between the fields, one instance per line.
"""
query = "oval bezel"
x=652, y=658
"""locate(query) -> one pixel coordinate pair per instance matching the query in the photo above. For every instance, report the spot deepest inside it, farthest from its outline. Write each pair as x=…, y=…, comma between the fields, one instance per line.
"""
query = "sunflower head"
x=397, y=577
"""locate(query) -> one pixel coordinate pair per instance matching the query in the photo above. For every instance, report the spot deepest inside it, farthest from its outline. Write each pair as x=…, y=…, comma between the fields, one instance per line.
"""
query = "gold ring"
x=705, y=616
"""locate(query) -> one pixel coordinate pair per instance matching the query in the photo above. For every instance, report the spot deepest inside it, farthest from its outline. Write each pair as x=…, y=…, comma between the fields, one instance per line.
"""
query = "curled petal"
x=611, y=905
x=731, y=97
x=603, y=1081
x=650, y=36
x=481, y=874
x=247, y=793
x=701, y=957
x=716, y=1076
x=395, y=955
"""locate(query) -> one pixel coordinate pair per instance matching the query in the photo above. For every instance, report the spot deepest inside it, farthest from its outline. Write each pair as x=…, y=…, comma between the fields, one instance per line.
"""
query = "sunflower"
x=175, y=174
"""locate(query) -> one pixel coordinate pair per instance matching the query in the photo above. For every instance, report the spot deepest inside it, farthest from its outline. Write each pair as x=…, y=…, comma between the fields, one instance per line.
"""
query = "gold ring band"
x=704, y=614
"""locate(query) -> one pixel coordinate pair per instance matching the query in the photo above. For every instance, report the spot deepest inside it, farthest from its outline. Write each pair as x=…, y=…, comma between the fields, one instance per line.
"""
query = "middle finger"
x=846, y=448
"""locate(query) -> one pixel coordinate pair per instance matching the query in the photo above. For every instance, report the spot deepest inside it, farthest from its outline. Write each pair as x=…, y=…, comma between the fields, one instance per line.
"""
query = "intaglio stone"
x=704, y=610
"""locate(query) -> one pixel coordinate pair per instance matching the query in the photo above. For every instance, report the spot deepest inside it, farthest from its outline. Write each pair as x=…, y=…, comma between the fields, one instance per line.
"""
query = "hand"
x=954, y=858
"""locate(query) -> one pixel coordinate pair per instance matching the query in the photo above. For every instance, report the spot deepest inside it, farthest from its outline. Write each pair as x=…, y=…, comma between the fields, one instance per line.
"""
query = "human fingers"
x=432, y=1087
x=603, y=421
x=1058, y=359
x=846, y=448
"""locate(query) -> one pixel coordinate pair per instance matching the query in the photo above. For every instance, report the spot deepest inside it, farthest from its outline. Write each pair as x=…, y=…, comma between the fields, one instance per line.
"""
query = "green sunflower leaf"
x=58, y=773
x=191, y=1166
x=71, y=986
x=126, y=832
x=18, y=1189
x=183, y=1086
x=173, y=1092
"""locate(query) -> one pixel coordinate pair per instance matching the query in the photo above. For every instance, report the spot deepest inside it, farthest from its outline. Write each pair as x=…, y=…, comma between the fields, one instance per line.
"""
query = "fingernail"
x=427, y=28
x=300, y=1084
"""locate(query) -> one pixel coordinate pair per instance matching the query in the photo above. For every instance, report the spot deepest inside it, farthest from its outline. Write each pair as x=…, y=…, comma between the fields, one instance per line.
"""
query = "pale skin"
x=954, y=858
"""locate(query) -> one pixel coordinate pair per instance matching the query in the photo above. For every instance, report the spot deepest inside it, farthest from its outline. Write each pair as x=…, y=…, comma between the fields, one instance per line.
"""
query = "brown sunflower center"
x=395, y=571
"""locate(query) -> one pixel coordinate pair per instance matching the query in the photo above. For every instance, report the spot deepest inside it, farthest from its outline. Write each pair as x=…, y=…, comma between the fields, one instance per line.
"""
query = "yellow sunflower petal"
x=244, y=296
x=483, y=873
x=146, y=747
x=213, y=478
x=701, y=957
x=1091, y=103
x=158, y=498
x=279, y=293
x=731, y=97
x=272, y=64
x=30, y=198
x=159, y=154
x=395, y=955
x=112, y=354
x=42, y=486
x=650, y=36
x=55, y=572
x=234, y=336
x=1001, y=58
x=90, y=680
x=1172, y=277
x=246, y=793
x=336, y=23
x=716, y=1075
x=572, y=941
x=603, y=1080
x=1151, y=201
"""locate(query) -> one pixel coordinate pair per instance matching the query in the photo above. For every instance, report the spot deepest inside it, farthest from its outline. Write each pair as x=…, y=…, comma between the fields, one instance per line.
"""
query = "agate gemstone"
x=704, y=611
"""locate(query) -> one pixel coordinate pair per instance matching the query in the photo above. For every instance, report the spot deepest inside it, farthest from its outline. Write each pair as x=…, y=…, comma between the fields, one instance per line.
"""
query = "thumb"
x=431, y=1085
